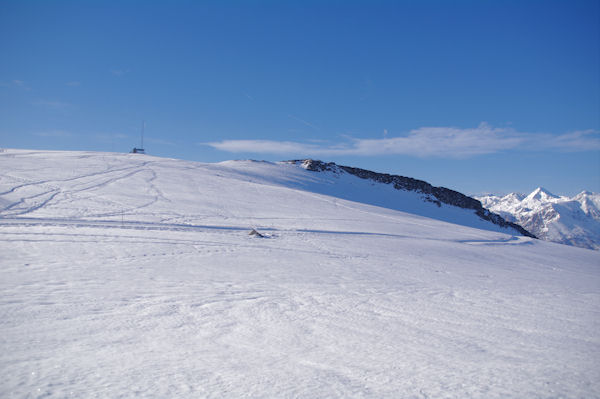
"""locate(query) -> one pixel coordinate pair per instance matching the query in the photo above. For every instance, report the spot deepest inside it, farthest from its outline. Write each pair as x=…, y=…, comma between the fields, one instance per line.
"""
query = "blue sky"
x=478, y=96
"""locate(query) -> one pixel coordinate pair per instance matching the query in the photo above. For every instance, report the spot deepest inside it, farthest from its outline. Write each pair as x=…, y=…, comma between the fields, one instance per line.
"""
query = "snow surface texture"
x=132, y=276
x=566, y=220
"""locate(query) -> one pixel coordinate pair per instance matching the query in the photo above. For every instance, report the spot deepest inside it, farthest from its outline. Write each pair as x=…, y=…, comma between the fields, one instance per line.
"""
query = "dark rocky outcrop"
x=437, y=195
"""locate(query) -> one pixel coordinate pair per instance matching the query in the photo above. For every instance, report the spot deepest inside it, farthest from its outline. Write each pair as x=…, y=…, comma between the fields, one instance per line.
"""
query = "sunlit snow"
x=126, y=275
x=566, y=220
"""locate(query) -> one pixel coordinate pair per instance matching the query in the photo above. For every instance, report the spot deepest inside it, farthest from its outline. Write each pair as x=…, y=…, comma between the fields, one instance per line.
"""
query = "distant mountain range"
x=566, y=220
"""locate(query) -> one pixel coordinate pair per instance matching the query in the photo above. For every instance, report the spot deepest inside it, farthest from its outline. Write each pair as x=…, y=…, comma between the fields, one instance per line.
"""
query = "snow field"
x=172, y=298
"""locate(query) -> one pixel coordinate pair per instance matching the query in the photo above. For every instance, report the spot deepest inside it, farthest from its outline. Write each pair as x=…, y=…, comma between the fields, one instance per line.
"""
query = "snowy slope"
x=134, y=276
x=406, y=194
x=566, y=220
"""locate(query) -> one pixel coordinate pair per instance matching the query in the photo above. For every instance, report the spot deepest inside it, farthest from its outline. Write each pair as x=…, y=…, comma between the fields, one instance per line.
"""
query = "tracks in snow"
x=114, y=224
x=38, y=194
x=122, y=230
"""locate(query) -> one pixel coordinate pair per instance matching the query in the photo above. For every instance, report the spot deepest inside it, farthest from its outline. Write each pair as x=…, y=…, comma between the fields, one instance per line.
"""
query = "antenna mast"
x=141, y=149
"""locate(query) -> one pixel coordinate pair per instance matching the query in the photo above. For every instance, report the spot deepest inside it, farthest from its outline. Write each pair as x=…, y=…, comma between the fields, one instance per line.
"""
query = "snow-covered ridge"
x=436, y=195
x=141, y=188
x=566, y=220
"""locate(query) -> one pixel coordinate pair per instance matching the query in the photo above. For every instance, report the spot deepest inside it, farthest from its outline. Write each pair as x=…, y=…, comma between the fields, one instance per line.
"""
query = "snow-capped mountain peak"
x=590, y=203
x=514, y=197
x=541, y=194
x=567, y=220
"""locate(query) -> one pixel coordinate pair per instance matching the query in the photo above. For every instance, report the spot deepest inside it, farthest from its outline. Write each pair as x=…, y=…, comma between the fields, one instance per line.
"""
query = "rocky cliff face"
x=437, y=195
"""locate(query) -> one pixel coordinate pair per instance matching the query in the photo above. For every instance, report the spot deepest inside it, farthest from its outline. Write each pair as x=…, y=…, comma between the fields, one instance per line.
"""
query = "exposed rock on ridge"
x=437, y=195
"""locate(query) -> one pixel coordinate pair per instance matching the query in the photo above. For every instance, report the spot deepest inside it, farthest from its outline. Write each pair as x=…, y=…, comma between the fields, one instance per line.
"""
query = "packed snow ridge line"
x=437, y=195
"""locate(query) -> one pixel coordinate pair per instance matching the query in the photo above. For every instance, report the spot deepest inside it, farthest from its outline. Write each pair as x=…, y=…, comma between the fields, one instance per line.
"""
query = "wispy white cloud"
x=109, y=137
x=54, y=134
x=52, y=104
x=303, y=122
x=119, y=72
x=579, y=140
x=73, y=83
x=21, y=84
x=434, y=142
x=446, y=142
x=266, y=147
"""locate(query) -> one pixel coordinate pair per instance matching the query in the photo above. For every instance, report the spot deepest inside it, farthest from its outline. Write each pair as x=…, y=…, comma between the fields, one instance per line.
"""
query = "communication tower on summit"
x=141, y=149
